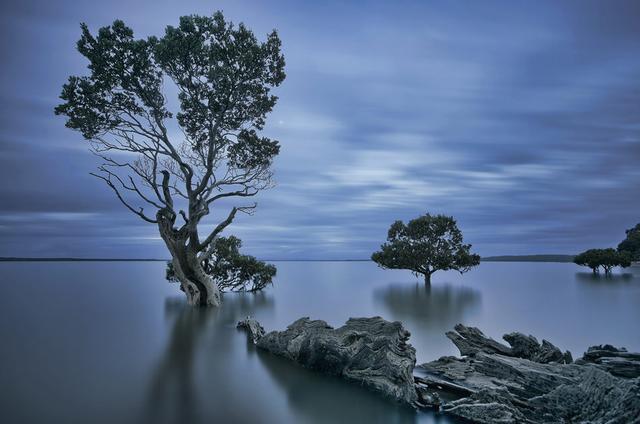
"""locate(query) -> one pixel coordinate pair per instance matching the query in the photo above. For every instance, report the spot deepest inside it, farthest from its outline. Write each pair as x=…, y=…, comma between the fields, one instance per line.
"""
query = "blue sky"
x=521, y=119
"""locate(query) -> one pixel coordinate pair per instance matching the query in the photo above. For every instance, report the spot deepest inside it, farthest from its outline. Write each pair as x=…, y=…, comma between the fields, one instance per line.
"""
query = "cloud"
x=521, y=120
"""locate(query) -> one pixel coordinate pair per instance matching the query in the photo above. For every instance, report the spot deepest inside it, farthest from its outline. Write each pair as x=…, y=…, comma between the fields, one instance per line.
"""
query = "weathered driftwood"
x=369, y=351
x=502, y=386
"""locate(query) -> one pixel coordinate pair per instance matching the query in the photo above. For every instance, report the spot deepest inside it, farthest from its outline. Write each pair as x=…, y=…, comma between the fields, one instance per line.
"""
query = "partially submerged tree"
x=631, y=244
x=231, y=270
x=605, y=258
x=425, y=245
x=179, y=167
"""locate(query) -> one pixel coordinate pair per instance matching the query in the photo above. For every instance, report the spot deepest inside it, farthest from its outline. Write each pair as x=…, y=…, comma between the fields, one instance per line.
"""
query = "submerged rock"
x=368, y=351
x=530, y=382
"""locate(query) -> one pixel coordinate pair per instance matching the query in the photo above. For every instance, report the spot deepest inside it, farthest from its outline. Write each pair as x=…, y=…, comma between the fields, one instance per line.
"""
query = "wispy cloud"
x=522, y=120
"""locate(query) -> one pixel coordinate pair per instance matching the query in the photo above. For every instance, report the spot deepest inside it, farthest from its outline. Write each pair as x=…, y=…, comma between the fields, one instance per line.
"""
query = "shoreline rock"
x=532, y=383
x=523, y=382
x=368, y=351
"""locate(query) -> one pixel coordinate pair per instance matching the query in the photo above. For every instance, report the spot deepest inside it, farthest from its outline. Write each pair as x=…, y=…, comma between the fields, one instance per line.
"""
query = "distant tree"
x=179, y=167
x=589, y=258
x=605, y=258
x=231, y=270
x=425, y=245
x=631, y=244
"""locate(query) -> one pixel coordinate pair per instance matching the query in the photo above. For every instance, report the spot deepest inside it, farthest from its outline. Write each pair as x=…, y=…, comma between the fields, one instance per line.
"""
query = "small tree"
x=425, y=245
x=231, y=270
x=589, y=258
x=179, y=167
x=631, y=244
x=605, y=258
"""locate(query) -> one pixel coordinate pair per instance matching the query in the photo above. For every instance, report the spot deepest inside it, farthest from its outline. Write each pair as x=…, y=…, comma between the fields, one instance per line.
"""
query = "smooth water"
x=113, y=342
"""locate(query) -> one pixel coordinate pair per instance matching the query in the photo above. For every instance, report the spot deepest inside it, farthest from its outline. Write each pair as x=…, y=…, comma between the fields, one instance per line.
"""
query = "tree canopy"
x=425, y=245
x=179, y=163
x=631, y=244
x=605, y=258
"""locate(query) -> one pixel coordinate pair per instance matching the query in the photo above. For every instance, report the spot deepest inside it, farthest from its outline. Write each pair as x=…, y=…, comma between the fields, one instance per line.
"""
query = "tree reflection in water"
x=429, y=312
x=437, y=305
x=596, y=279
x=183, y=387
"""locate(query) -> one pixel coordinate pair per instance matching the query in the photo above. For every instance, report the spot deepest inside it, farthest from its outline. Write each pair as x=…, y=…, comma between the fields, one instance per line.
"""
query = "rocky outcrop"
x=470, y=340
x=525, y=382
x=369, y=351
x=616, y=361
x=522, y=383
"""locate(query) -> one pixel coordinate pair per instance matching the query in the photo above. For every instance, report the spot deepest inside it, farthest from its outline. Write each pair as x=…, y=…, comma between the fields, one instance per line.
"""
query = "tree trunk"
x=427, y=279
x=197, y=285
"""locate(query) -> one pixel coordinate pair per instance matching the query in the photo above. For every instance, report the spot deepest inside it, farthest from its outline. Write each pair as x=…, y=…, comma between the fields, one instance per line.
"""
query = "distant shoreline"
x=503, y=258
x=529, y=258
x=12, y=259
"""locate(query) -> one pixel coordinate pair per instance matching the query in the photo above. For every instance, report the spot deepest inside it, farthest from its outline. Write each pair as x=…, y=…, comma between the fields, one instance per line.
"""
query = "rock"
x=253, y=328
x=369, y=351
x=505, y=388
x=525, y=382
x=616, y=361
x=470, y=340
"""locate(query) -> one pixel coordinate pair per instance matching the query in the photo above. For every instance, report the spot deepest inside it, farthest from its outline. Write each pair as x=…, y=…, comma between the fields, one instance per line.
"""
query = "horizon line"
x=77, y=259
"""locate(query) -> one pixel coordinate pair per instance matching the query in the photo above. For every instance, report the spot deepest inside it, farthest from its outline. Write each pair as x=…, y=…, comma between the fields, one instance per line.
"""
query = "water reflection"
x=192, y=367
x=440, y=306
x=317, y=398
x=590, y=277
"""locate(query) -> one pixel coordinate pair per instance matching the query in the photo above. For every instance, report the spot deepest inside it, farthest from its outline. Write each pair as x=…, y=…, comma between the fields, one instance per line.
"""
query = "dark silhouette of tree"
x=179, y=165
x=631, y=244
x=231, y=270
x=605, y=258
x=425, y=245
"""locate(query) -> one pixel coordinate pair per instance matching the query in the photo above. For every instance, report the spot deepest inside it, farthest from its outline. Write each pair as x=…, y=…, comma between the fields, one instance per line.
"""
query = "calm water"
x=115, y=343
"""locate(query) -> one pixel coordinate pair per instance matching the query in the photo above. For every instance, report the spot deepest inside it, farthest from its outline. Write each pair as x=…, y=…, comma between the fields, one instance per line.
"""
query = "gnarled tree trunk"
x=197, y=285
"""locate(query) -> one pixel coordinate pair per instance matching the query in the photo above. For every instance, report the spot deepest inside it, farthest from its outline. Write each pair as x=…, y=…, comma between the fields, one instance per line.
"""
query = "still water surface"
x=115, y=343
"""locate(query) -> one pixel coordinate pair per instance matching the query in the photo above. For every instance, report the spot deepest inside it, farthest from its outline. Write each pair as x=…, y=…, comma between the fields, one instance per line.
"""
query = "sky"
x=520, y=119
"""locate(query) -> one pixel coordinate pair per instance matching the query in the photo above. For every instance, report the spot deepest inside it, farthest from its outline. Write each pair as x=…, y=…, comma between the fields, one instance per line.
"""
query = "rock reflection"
x=440, y=306
x=317, y=398
x=181, y=379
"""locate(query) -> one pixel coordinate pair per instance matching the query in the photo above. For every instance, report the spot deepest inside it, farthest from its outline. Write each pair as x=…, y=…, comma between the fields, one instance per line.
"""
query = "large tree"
x=631, y=244
x=179, y=165
x=425, y=245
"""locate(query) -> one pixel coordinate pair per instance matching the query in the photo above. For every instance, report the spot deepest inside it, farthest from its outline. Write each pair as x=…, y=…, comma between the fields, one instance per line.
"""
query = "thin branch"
x=140, y=212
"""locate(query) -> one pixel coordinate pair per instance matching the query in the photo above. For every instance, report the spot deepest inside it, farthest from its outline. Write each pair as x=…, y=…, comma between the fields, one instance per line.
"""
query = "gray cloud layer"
x=521, y=119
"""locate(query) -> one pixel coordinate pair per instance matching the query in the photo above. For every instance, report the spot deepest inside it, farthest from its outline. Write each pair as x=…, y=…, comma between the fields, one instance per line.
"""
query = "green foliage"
x=426, y=244
x=631, y=244
x=231, y=270
x=224, y=77
x=605, y=258
x=211, y=60
x=125, y=81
